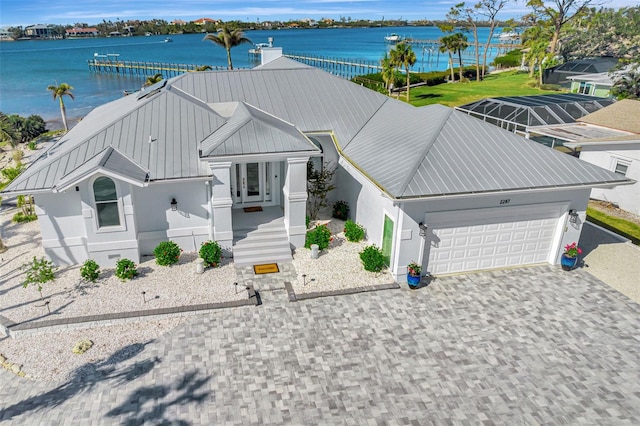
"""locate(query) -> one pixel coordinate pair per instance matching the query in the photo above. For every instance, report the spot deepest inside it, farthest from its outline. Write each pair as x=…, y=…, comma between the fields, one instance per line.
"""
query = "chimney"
x=269, y=54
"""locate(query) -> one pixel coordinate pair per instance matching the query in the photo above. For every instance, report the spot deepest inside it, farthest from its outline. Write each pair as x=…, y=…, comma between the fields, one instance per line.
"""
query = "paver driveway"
x=524, y=346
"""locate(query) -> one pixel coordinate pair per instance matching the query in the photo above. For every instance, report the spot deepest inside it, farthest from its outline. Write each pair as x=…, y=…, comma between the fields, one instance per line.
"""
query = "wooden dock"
x=113, y=65
x=346, y=68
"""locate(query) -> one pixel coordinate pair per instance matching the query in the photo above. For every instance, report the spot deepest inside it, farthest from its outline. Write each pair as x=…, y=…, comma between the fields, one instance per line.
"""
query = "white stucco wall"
x=414, y=213
x=64, y=236
x=188, y=226
x=627, y=197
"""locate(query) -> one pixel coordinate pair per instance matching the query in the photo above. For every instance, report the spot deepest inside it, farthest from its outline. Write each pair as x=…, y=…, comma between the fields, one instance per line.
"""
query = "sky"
x=28, y=12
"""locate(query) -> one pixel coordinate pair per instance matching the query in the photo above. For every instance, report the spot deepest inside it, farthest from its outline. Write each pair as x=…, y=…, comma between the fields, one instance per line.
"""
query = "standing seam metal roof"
x=409, y=152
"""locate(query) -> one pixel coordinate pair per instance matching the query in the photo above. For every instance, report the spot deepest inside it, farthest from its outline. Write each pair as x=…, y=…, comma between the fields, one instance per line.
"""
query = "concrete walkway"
x=524, y=346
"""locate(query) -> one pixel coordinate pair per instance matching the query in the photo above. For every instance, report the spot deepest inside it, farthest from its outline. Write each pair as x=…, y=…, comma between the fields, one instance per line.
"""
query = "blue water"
x=28, y=67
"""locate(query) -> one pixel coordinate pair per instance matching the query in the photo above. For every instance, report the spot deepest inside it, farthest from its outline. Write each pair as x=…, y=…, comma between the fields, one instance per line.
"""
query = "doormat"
x=267, y=268
x=252, y=209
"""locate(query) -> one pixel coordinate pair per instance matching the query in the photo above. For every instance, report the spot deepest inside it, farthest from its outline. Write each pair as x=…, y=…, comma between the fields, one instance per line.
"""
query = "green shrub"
x=32, y=145
x=211, y=252
x=38, y=272
x=126, y=269
x=341, y=210
x=90, y=271
x=511, y=59
x=372, y=259
x=167, y=253
x=353, y=232
x=20, y=217
x=320, y=235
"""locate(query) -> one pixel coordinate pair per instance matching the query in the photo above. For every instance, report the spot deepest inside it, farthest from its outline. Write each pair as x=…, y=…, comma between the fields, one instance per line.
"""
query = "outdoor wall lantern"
x=174, y=205
x=573, y=216
x=423, y=229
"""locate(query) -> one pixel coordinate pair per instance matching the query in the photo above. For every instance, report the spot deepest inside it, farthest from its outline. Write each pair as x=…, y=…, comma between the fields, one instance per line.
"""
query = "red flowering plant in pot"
x=413, y=274
x=569, y=258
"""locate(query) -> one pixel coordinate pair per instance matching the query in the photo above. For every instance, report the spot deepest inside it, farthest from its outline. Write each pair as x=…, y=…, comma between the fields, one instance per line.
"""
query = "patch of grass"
x=619, y=226
x=509, y=83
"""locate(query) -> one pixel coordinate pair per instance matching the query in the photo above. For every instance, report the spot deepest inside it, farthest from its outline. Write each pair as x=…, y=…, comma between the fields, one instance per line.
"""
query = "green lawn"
x=510, y=83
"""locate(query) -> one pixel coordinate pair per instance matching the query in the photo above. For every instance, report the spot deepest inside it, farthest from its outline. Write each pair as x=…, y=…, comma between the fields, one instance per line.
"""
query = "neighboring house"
x=38, y=31
x=560, y=74
x=598, y=84
x=615, y=146
x=524, y=114
x=182, y=160
x=82, y=32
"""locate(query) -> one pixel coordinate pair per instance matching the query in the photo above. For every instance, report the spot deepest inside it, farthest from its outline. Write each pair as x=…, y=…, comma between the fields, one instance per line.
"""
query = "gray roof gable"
x=253, y=131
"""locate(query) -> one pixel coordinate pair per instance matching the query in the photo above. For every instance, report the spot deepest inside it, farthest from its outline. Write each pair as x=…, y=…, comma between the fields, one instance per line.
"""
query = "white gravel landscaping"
x=48, y=356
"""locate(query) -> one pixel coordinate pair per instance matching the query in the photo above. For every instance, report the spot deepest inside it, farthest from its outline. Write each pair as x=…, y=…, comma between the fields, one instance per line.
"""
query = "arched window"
x=106, y=198
x=315, y=162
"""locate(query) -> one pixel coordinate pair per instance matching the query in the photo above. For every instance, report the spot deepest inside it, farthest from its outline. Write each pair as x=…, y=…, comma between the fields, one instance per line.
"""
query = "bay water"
x=28, y=67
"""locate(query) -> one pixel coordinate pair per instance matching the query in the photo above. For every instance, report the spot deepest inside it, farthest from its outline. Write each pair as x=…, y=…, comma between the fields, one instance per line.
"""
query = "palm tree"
x=627, y=86
x=204, y=68
x=444, y=47
x=58, y=92
x=388, y=72
x=153, y=79
x=459, y=43
x=403, y=55
x=228, y=38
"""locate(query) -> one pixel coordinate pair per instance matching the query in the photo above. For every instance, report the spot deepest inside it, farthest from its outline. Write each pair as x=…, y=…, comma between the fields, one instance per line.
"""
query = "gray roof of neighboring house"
x=623, y=115
x=407, y=151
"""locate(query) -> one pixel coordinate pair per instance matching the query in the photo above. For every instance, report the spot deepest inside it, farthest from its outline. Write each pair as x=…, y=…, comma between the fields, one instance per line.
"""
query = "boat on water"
x=508, y=35
x=168, y=40
x=393, y=38
x=257, y=48
x=147, y=34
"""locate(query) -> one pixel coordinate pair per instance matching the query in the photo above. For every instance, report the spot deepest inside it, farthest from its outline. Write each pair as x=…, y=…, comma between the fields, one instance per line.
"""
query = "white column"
x=295, y=200
x=221, y=203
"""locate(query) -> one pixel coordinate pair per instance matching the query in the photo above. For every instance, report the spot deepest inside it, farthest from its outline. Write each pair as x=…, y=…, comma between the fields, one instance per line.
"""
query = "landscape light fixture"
x=573, y=216
x=174, y=205
x=423, y=229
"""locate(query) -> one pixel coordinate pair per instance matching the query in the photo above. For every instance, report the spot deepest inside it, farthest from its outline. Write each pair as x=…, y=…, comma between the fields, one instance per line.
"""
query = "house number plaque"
x=505, y=201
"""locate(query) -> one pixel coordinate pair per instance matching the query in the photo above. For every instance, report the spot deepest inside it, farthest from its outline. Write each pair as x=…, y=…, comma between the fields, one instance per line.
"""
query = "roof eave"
x=516, y=191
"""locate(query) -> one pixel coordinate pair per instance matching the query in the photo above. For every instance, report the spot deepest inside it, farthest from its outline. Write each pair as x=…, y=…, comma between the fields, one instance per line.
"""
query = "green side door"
x=387, y=239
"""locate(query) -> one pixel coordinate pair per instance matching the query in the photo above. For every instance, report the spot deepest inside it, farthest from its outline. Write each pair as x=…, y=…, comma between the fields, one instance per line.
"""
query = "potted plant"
x=413, y=274
x=569, y=258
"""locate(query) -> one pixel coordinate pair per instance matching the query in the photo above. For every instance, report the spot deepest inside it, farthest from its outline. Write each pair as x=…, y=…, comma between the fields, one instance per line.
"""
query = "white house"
x=615, y=147
x=184, y=158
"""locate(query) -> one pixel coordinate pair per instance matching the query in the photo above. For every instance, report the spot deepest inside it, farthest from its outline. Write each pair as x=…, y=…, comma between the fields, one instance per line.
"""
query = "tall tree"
x=228, y=38
x=59, y=92
x=559, y=12
x=455, y=43
x=446, y=46
x=403, y=55
x=388, y=72
x=627, y=84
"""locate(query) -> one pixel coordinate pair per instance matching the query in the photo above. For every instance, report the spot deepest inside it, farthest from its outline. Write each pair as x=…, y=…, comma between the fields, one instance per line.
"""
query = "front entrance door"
x=252, y=184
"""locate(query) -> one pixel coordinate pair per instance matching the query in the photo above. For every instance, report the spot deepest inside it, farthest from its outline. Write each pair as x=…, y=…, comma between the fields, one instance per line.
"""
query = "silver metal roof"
x=253, y=131
x=407, y=151
x=109, y=161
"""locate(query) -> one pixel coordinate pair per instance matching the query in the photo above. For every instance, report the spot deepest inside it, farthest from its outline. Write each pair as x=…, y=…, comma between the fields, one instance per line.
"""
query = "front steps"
x=268, y=243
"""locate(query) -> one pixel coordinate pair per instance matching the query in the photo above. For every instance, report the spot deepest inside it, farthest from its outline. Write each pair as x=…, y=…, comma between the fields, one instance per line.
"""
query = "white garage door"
x=491, y=238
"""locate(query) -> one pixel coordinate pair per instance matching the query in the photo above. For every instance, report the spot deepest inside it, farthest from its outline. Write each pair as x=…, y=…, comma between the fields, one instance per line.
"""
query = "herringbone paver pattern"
x=525, y=346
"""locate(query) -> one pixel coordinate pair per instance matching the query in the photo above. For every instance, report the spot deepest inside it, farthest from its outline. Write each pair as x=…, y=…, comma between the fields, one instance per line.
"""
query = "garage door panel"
x=505, y=240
